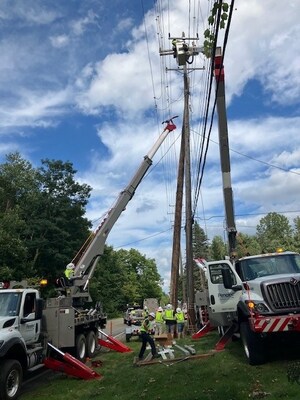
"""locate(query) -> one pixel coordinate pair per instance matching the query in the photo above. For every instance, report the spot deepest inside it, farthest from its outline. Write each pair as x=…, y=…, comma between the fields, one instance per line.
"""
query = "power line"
x=252, y=158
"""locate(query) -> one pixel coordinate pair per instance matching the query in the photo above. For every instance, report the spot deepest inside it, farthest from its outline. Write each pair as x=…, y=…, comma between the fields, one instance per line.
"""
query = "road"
x=115, y=327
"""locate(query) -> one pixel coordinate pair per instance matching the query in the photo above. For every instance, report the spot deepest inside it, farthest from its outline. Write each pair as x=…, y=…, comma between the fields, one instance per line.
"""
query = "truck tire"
x=10, y=379
x=80, y=347
x=91, y=344
x=253, y=344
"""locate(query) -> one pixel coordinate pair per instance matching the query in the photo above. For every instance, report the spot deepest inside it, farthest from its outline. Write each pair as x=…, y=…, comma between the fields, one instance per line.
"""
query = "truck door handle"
x=212, y=299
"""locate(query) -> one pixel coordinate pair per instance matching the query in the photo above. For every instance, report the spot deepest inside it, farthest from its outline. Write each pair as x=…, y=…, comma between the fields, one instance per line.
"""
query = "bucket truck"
x=255, y=297
x=30, y=325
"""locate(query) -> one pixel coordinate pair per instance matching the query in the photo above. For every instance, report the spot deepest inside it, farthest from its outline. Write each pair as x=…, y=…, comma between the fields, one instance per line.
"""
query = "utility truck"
x=255, y=297
x=29, y=325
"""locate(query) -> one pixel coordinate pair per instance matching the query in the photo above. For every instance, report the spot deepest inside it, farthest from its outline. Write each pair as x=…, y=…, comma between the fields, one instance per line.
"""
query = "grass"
x=224, y=375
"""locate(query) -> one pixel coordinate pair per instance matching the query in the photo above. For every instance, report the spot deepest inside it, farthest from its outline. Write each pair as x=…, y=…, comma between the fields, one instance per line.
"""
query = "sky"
x=84, y=81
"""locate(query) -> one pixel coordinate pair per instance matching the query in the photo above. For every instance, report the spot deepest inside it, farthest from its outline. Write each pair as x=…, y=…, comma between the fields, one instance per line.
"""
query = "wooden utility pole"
x=184, y=53
x=176, y=253
x=188, y=208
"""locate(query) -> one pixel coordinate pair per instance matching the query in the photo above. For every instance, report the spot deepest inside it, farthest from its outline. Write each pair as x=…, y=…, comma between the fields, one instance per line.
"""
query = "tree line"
x=43, y=225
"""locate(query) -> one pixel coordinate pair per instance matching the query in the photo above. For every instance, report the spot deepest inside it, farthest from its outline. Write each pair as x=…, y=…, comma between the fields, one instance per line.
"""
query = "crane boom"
x=86, y=264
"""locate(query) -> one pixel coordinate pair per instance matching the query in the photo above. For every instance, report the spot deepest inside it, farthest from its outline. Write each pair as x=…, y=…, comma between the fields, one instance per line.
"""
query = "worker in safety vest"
x=159, y=321
x=69, y=271
x=180, y=319
x=146, y=336
x=170, y=320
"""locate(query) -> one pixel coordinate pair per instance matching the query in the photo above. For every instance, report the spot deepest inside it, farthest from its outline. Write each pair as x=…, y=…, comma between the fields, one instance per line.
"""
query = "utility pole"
x=188, y=209
x=224, y=152
x=176, y=253
x=184, y=54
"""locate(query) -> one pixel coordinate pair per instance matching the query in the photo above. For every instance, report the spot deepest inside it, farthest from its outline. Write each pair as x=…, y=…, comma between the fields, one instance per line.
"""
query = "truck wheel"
x=91, y=344
x=253, y=345
x=10, y=379
x=80, y=347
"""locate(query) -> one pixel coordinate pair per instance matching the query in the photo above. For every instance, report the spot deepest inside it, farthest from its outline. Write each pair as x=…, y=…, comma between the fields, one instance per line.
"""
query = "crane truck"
x=30, y=325
x=255, y=297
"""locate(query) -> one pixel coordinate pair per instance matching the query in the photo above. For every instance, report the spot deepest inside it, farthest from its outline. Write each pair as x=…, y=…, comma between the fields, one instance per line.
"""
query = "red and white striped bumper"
x=275, y=324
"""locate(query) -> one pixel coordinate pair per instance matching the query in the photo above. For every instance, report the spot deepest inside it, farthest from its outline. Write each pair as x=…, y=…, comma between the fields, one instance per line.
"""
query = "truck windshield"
x=9, y=303
x=269, y=265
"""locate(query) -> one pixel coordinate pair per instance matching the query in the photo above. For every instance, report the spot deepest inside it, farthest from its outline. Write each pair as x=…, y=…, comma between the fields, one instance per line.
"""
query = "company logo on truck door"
x=225, y=295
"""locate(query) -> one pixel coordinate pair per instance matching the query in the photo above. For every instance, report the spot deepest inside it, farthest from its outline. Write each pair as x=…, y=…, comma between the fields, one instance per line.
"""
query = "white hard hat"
x=152, y=315
x=178, y=309
x=70, y=266
x=169, y=306
x=159, y=309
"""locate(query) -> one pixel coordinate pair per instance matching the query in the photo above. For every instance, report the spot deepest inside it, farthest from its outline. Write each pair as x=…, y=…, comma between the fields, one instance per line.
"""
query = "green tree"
x=122, y=277
x=46, y=209
x=12, y=248
x=142, y=273
x=200, y=250
x=218, y=249
x=295, y=246
x=58, y=218
x=273, y=231
x=247, y=245
x=107, y=283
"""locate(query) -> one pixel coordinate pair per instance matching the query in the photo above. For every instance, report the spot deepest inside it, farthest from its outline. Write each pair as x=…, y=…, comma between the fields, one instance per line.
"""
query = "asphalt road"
x=115, y=327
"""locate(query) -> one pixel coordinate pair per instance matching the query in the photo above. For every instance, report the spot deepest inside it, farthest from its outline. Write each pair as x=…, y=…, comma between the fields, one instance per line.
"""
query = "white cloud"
x=80, y=25
x=59, y=41
x=126, y=97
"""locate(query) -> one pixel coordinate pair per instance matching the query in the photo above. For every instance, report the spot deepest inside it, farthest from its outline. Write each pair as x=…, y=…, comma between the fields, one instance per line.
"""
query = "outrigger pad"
x=112, y=343
x=64, y=362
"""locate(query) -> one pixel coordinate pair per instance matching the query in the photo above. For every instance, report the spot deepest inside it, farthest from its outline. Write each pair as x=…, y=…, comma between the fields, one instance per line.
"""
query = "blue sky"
x=83, y=81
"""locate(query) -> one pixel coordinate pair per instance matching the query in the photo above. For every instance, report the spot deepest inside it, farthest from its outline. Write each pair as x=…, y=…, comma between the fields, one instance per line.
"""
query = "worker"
x=159, y=321
x=146, y=336
x=145, y=312
x=69, y=271
x=180, y=319
x=170, y=320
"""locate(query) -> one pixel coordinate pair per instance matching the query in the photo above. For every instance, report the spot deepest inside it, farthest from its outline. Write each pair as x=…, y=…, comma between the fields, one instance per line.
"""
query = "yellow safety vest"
x=145, y=326
x=169, y=315
x=69, y=273
x=159, y=317
x=180, y=316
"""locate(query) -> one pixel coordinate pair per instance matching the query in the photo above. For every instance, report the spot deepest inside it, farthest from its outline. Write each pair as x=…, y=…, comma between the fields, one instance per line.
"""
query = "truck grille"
x=284, y=295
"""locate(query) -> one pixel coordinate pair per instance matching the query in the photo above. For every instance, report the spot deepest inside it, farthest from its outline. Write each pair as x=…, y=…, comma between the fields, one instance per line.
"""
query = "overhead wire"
x=211, y=77
x=204, y=147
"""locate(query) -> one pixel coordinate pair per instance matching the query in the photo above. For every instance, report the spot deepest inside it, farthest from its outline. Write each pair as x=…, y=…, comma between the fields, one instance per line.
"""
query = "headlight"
x=257, y=307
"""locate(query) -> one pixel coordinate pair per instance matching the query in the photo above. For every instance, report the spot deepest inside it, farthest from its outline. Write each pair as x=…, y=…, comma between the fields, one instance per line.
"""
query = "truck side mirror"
x=39, y=308
x=228, y=281
x=227, y=277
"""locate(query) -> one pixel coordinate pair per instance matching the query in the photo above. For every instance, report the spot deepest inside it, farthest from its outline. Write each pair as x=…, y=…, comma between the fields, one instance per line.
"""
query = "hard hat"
x=152, y=315
x=159, y=309
x=178, y=309
x=70, y=266
x=169, y=306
